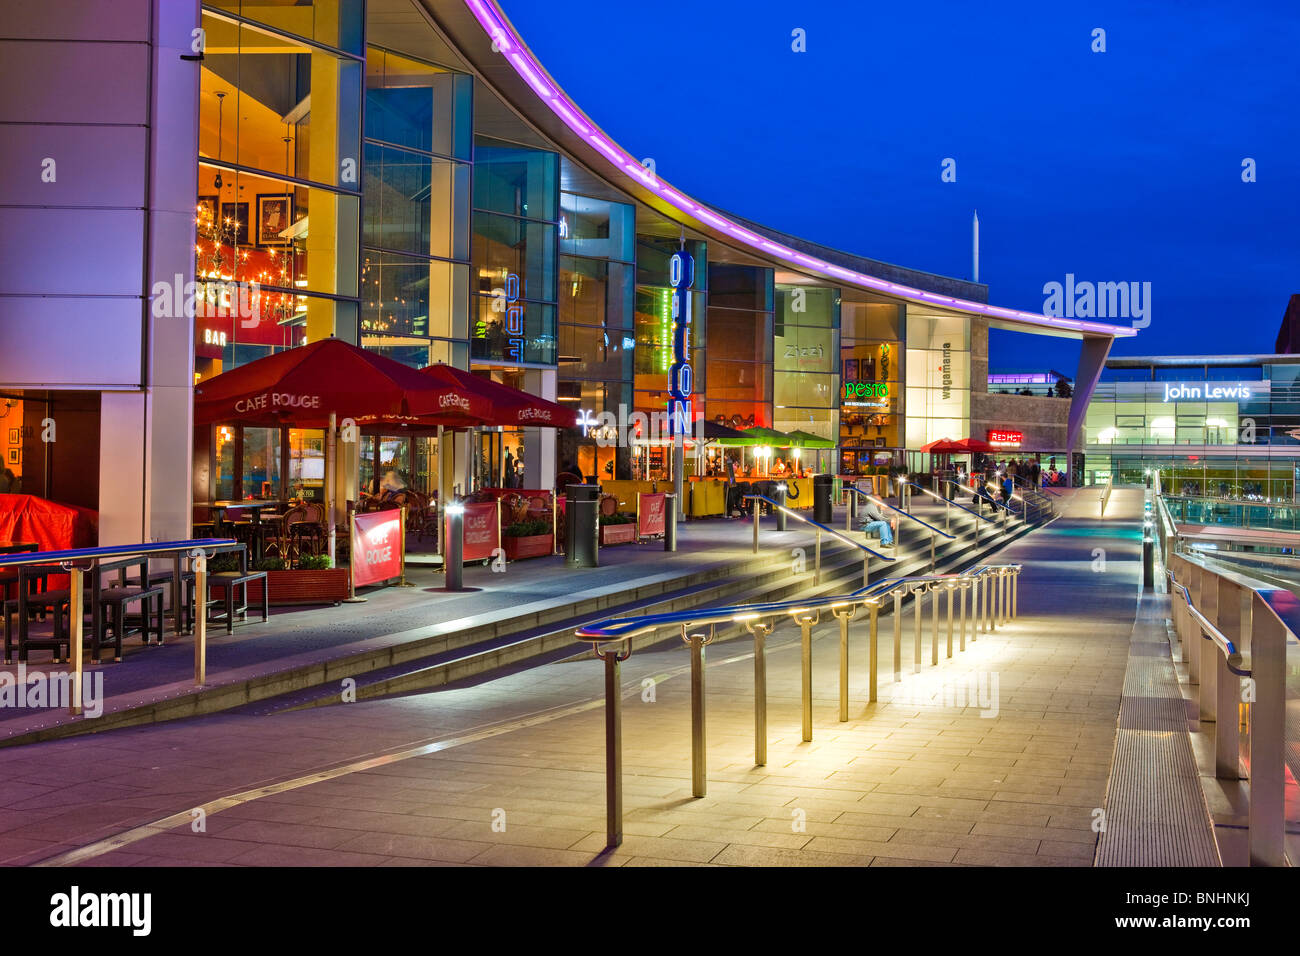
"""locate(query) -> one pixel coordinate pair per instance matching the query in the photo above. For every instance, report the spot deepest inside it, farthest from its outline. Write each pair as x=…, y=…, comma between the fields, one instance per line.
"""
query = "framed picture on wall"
x=15, y=436
x=274, y=215
x=237, y=211
x=15, y=456
x=850, y=370
x=207, y=211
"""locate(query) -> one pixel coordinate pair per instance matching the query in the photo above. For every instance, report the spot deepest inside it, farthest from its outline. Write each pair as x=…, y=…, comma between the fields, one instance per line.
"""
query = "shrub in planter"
x=617, y=529
x=312, y=582
x=526, y=539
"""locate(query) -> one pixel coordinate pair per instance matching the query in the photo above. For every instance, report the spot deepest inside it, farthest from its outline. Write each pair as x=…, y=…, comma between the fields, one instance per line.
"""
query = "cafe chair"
x=232, y=585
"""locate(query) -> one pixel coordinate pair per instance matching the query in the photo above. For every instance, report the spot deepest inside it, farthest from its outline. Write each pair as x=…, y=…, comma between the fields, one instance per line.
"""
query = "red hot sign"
x=1002, y=436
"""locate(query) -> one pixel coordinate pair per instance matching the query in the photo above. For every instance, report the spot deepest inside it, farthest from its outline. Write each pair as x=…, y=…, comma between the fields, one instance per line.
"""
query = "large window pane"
x=595, y=227
x=413, y=202
x=335, y=23
x=494, y=339
x=402, y=295
x=416, y=104
x=504, y=246
x=515, y=180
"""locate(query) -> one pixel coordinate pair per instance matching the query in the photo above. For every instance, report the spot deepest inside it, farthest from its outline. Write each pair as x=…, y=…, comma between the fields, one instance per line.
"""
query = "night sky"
x=1117, y=166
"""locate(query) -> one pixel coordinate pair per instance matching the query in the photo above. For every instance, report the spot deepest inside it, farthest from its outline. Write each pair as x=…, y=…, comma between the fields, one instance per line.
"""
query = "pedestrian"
x=874, y=521
x=508, y=472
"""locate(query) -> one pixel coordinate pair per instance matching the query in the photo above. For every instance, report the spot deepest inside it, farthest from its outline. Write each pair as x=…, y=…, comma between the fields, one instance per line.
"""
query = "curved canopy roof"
x=493, y=46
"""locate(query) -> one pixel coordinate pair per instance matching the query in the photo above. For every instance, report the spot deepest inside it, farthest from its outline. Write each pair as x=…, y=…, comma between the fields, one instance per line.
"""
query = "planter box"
x=328, y=586
x=533, y=546
x=617, y=533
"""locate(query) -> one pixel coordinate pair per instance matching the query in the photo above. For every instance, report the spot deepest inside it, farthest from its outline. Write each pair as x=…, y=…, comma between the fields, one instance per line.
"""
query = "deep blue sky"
x=1115, y=166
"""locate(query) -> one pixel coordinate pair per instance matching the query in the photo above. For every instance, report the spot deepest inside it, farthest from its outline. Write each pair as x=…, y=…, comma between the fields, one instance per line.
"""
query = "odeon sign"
x=258, y=403
x=681, y=276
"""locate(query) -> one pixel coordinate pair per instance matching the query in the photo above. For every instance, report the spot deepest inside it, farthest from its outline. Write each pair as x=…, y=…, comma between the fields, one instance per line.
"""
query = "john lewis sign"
x=1208, y=392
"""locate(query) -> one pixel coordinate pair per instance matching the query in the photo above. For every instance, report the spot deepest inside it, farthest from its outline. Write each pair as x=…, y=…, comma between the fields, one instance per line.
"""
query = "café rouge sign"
x=274, y=400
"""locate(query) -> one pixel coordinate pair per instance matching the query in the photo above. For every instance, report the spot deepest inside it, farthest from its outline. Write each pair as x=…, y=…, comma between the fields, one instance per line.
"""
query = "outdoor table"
x=256, y=506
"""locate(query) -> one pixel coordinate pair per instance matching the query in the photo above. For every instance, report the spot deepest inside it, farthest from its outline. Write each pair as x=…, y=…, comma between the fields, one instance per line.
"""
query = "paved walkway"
x=510, y=770
x=297, y=638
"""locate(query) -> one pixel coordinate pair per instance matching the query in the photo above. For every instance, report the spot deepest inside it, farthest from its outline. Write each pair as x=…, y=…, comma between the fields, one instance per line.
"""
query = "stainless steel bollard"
x=874, y=650
x=699, y=752
x=760, y=632
x=806, y=623
x=844, y=618
x=898, y=635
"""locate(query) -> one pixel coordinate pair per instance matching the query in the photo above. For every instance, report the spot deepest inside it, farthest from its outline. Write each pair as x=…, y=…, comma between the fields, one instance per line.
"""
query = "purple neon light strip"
x=531, y=72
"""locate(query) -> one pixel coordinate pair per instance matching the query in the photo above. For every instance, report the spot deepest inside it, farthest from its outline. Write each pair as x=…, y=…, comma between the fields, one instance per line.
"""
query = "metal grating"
x=1155, y=810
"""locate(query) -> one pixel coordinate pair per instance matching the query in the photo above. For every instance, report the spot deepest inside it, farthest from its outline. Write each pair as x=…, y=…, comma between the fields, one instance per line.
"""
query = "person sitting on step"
x=874, y=520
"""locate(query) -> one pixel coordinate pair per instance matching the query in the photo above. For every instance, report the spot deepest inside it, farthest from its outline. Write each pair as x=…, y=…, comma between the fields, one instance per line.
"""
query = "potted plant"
x=312, y=582
x=617, y=528
x=526, y=539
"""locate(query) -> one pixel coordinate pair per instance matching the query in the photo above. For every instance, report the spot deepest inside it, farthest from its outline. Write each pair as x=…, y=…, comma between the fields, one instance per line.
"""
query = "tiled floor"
x=1010, y=778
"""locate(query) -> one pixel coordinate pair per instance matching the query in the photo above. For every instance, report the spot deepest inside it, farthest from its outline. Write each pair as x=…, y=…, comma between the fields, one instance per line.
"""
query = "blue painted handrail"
x=818, y=524
x=77, y=555
x=927, y=491
x=871, y=497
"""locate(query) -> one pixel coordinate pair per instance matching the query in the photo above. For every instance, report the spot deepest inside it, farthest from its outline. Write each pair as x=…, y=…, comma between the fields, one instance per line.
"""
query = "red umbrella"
x=973, y=445
x=507, y=406
x=943, y=446
x=303, y=386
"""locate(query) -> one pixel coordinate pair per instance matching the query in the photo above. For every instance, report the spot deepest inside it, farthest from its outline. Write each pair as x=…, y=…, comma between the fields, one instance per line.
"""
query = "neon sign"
x=999, y=436
x=681, y=276
x=1206, y=392
x=854, y=392
x=514, y=319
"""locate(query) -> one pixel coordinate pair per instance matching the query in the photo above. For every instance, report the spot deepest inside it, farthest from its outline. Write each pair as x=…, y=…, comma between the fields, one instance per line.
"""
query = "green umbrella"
x=803, y=439
x=767, y=436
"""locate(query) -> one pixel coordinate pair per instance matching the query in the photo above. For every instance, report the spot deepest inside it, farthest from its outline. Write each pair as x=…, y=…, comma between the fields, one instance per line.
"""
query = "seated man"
x=874, y=520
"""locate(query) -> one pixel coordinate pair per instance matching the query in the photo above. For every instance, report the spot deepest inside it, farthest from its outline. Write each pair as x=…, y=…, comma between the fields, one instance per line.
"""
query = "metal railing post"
x=1267, y=737
x=898, y=636
x=964, y=587
x=1206, y=649
x=201, y=620
x=917, y=610
x=760, y=632
x=934, y=626
x=844, y=618
x=699, y=752
x=613, y=744
x=76, y=611
x=932, y=539
x=950, y=587
x=1015, y=593
x=806, y=623
x=874, y=648
x=817, y=568
x=753, y=509
x=989, y=595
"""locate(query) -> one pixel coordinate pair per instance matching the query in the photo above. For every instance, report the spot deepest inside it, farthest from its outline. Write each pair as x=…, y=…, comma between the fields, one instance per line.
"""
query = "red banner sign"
x=1000, y=436
x=481, y=530
x=376, y=546
x=650, y=514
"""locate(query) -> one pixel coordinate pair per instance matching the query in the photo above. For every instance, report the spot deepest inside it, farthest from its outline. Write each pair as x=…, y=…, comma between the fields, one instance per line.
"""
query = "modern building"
x=192, y=186
x=1223, y=425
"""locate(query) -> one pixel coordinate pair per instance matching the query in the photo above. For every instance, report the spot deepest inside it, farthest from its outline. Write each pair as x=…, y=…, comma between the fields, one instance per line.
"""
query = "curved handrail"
x=619, y=629
x=110, y=551
x=986, y=497
x=871, y=497
x=818, y=524
x=936, y=497
x=1226, y=647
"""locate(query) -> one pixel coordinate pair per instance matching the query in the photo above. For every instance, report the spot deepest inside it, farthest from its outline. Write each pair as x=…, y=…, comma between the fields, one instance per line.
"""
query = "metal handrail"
x=945, y=500
x=871, y=497
x=817, y=524
x=985, y=497
x=1231, y=605
x=109, y=551
x=1225, y=644
x=78, y=561
x=611, y=642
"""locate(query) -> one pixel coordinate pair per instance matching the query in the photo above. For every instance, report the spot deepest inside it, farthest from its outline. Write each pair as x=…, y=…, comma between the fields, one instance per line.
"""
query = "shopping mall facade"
x=213, y=182
x=1219, y=426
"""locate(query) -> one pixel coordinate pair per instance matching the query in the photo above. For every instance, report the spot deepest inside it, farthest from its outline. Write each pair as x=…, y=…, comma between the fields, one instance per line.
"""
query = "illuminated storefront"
x=1223, y=426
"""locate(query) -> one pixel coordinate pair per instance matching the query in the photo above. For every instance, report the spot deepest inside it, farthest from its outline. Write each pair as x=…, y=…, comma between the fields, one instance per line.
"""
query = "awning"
x=505, y=405
x=303, y=386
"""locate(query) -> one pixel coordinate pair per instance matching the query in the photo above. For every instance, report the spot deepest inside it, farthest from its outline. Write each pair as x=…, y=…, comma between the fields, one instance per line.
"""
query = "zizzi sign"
x=1206, y=392
x=681, y=276
x=1001, y=436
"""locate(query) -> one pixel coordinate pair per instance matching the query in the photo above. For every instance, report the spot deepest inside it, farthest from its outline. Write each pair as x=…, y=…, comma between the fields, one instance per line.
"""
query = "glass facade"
x=738, y=377
x=596, y=319
x=870, y=390
x=515, y=253
x=805, y=363
x=1227, y=430
x=278, y=207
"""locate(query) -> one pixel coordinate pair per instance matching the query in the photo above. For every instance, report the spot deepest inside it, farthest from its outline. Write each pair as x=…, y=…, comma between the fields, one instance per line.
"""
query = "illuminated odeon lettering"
x=681, y=276
x=514, y=319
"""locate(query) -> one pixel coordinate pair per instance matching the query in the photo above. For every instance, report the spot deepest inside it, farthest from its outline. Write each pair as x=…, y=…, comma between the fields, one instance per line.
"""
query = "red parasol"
x=506, y=405
x=303, y=386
